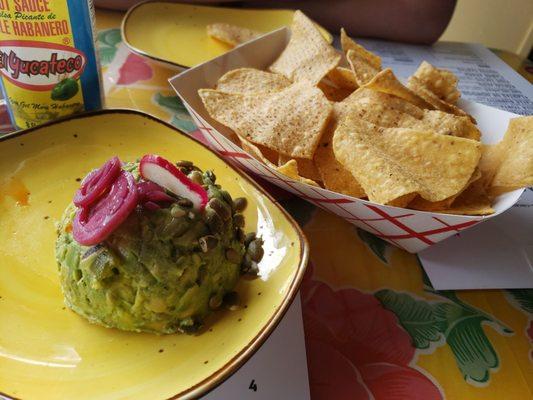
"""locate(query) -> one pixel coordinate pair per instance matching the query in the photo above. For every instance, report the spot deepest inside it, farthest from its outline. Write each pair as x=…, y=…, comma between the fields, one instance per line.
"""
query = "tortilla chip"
x=290, y=121
x=348, y=43
x=403, y=201
x=392, y=102
x=473, y=201
x=441, y=82
x=491, y=158
x=447, y=124
x=232, y=35
x=515, y=169
x=418, y=87
x=393, y=112
x=250, y=80
x=290, y=169
x=379, y=113
x=419, y=203
x=332, y=173
x=361, y=68
x=306, y=167
x=261, y=153
x=308, y=57
x=333, y=93
x=392, y=162
x=386, y=82
x=343, y=78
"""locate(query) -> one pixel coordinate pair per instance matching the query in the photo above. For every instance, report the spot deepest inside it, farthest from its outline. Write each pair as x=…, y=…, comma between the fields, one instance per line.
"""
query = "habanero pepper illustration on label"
x=48, y=63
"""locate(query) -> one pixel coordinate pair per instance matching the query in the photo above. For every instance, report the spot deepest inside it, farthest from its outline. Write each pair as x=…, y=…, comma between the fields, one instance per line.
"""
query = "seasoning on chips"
x=332, y=92
x=386, y=82
x=363, y=63
x=361, y=68
x=333, y=174
x=392, y=162
x=515, y=169
x=415, y=85
x=343, y=78
x=347, y=44
x=308, y=57
x=289, y=121
x=441, y=82
x=250, y=80
x=448, y=124
x=472, y=201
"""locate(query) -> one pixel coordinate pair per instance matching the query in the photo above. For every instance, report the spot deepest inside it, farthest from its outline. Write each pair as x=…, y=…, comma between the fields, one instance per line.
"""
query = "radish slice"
x=93, y=225
x=97, y=183
x=158, y=170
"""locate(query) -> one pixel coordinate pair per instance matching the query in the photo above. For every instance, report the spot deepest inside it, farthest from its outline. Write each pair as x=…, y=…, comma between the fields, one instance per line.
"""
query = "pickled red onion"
x=97, y=182
x=94, y=224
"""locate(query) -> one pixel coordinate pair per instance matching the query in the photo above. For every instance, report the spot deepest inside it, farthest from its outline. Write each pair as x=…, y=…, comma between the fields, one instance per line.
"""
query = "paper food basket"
x=411, y=230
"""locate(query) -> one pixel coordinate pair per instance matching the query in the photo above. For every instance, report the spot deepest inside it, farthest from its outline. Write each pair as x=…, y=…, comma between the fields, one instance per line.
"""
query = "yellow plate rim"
x=228, y=369
x=161, y=60
x=137, y=50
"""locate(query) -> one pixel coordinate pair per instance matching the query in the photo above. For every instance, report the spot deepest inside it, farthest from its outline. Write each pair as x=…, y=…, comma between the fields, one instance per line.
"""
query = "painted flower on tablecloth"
x=134, y=69
x=522, y=299
x=356, y=349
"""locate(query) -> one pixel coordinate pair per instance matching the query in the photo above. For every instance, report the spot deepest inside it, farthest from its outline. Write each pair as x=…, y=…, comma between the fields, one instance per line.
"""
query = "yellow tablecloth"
x=374, y=326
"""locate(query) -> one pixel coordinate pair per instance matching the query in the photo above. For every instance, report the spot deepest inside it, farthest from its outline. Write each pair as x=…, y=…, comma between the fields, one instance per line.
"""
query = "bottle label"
x=47, y=59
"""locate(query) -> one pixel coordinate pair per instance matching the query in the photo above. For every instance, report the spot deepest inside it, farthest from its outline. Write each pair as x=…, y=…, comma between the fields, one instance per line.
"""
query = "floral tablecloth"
x=374, y=326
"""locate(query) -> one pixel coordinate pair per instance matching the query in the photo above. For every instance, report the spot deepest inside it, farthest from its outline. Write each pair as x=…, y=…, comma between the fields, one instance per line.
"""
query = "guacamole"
x=162, y=270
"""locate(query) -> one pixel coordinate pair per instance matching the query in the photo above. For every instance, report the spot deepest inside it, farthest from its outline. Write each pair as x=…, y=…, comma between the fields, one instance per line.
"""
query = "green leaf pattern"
x=460, y=324
x=180, y=117
x=522, y=297
x=417, y=316
x=108, y=41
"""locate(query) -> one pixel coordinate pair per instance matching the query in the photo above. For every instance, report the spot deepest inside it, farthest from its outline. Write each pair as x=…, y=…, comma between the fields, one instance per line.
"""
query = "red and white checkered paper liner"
x=411, y=230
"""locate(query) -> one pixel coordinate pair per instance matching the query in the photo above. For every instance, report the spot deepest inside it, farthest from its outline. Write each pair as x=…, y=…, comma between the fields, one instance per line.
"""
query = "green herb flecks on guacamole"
x=161, y=271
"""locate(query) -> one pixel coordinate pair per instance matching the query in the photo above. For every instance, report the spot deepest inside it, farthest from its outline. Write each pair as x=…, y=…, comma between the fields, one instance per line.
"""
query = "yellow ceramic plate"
x=47, y=351
x=179, y=36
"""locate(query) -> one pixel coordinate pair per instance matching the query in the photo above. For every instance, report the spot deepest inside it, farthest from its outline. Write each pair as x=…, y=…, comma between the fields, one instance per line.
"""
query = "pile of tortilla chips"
x=342, y=121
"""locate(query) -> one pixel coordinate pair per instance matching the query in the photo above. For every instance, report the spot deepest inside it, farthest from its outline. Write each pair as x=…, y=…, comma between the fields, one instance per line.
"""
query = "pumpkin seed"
x=239, y=204
x=196, y=177
x=211, y=176
x=255, y=250
x=185, y=163
x=208, y=243
x=238, y=220
x=214, y=222
x=239, y=234
x=226, y=196
x=220, y=208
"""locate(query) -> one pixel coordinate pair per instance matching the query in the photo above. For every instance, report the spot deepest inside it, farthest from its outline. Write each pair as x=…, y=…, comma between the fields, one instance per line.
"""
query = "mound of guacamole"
x=162, y=271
